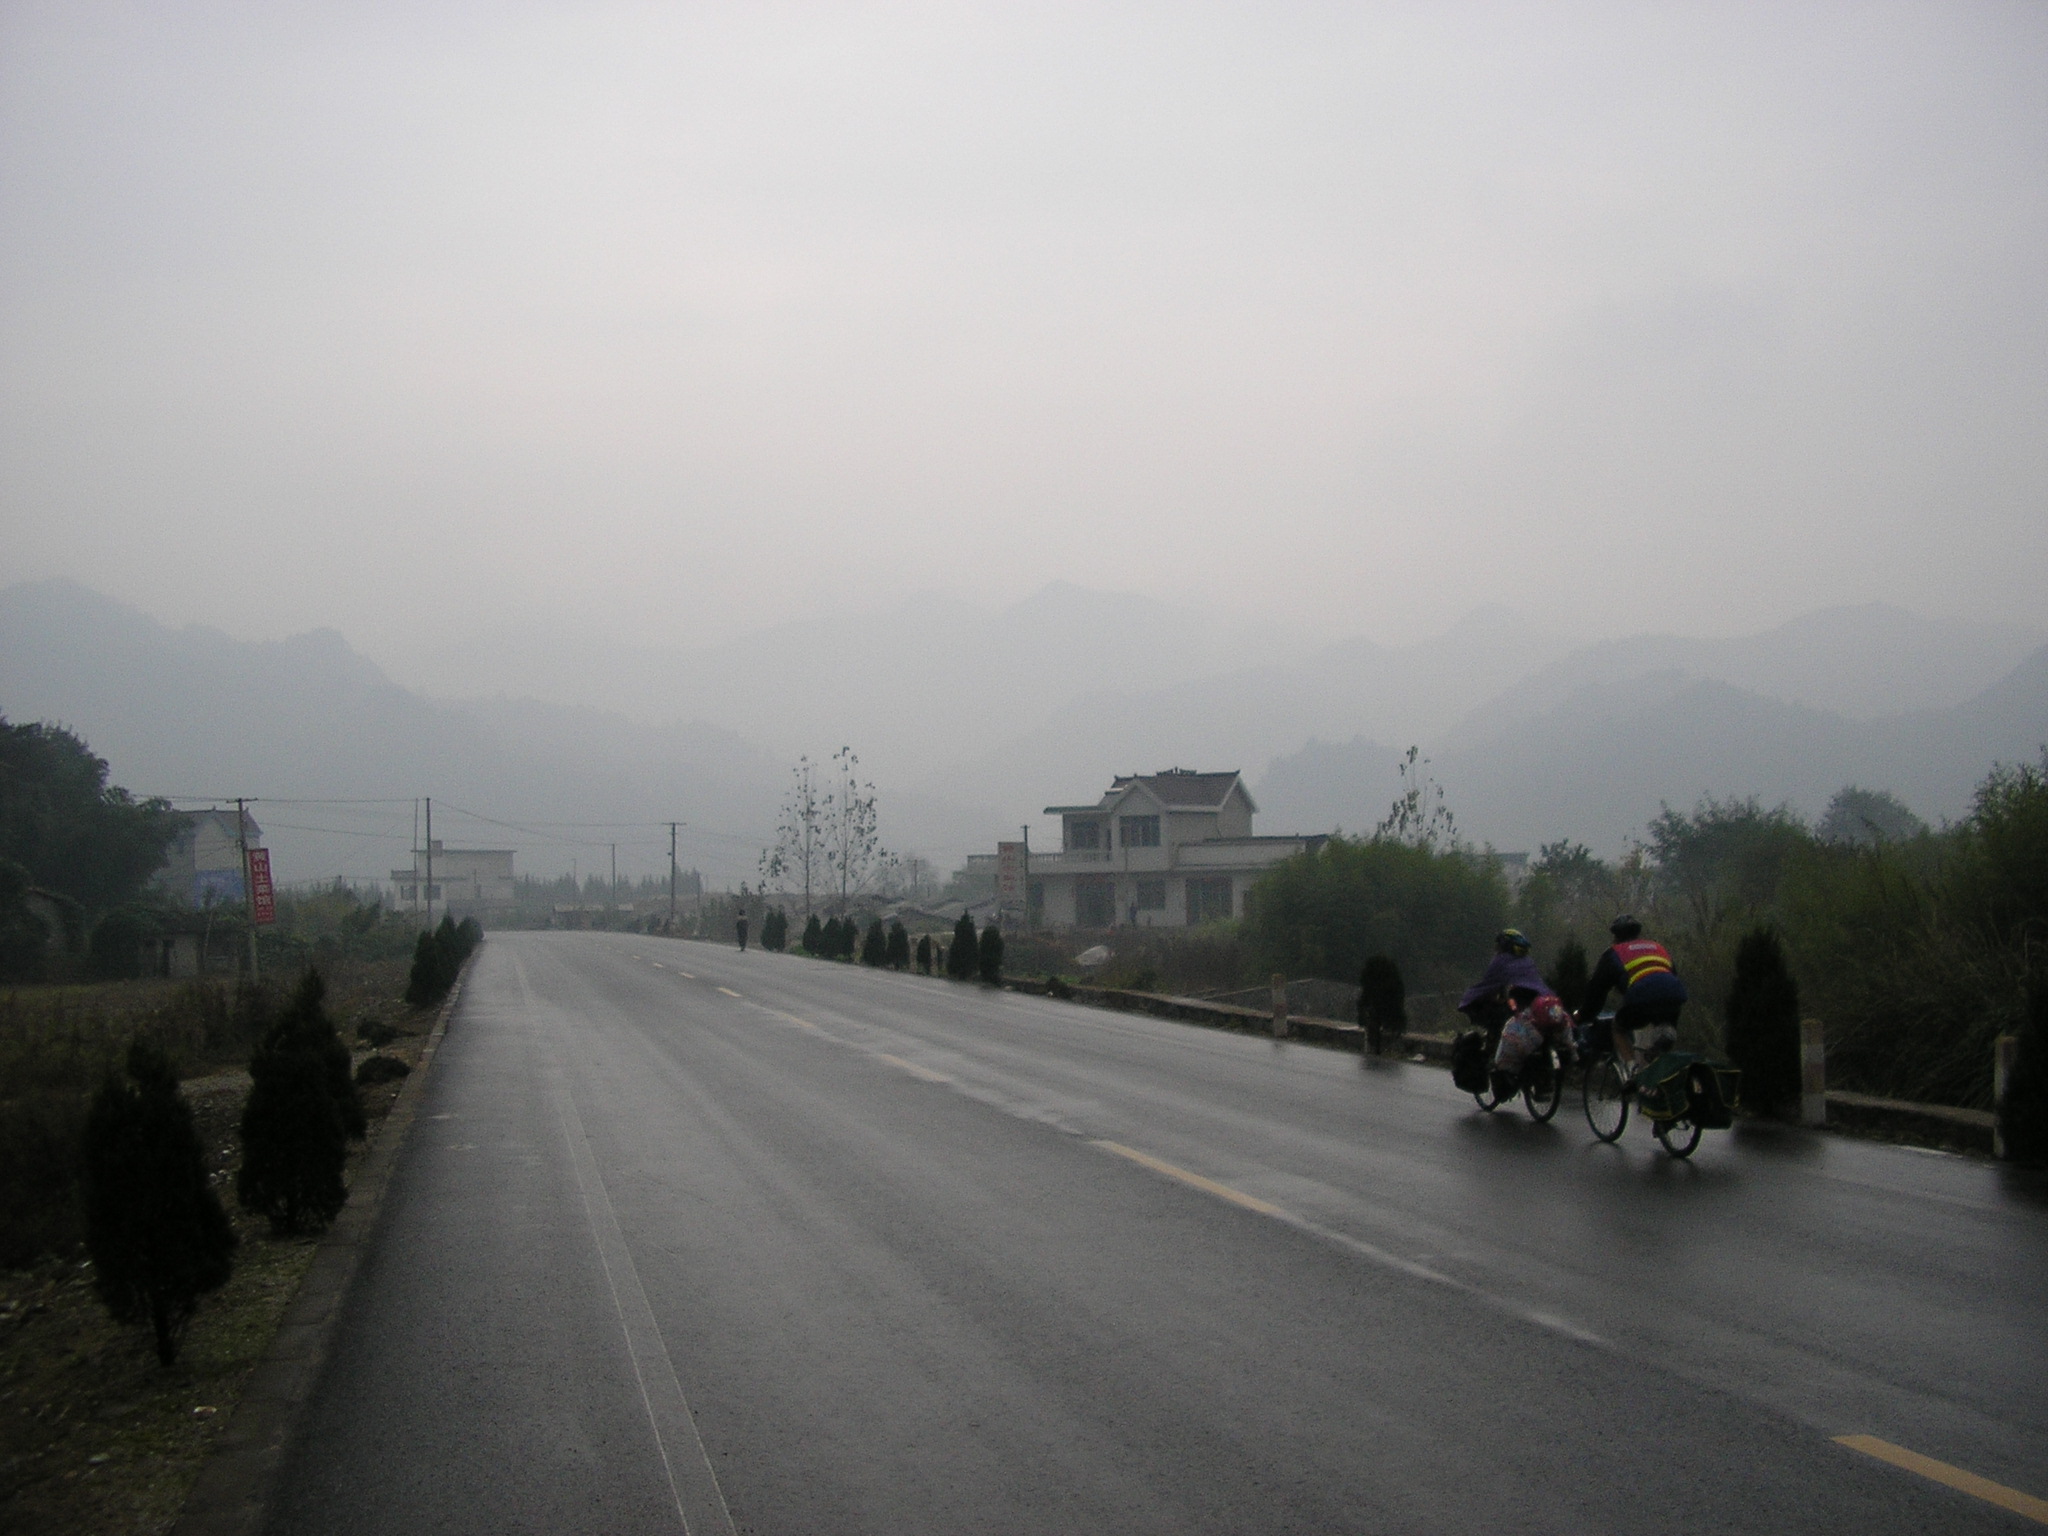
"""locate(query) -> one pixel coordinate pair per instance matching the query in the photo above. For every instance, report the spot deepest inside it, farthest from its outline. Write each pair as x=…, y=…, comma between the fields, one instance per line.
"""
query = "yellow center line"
x=1952, y=1477
x=686, y=975
x=659, y=966
x=1194, y=1180
x=728, y=991
x=914, y=1069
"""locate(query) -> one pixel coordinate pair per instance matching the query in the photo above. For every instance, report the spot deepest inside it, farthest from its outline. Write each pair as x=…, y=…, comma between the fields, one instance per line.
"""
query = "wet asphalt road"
x=686, y=1239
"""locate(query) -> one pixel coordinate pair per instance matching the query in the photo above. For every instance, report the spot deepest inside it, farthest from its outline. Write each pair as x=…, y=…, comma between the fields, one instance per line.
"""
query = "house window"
x=1208, y=899
x=1084, y=834
x=1151, y=895
x=1140, y=832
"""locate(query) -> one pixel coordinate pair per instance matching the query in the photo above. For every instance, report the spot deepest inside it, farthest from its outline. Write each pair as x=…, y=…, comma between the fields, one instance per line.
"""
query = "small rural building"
x=1159, y=850
x=465, y=880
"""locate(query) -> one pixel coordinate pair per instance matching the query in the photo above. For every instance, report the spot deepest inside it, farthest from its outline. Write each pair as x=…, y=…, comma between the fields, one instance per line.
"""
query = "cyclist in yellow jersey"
x=1640, y=970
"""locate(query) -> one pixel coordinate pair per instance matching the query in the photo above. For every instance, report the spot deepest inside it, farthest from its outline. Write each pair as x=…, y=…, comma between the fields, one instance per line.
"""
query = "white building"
x=203, y=865
x=1159, y=850
x=464, y=880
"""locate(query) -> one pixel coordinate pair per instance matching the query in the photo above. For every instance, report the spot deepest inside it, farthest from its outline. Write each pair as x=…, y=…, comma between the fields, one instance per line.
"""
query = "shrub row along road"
x=690, y=1239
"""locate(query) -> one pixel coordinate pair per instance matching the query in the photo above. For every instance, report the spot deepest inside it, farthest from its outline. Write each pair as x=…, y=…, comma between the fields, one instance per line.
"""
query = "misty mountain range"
x=970, y=722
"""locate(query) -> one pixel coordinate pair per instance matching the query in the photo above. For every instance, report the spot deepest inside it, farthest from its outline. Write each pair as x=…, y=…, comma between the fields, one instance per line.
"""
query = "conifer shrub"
x=899, y=947
x=775, y=930
x=829, y=938
x=158, y=1237
x=114, y=952
x=430, y=977
x=924, y=954
x=989, y=955
x=2023, y=1113
x=814, y=935
x=1382, y=1002
x=1568, y=974
x=1056, y=986
x=874, y=947
x=1763, y=1022
x=301, y=1113
x=963, y=958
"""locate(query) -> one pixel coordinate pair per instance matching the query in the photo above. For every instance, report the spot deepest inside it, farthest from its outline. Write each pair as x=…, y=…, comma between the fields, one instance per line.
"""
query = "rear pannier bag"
x=1468, y=1061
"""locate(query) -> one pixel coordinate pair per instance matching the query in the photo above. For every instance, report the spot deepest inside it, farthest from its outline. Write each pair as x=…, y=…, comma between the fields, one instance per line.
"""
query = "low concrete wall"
x=1934, y=1125
x=1333, y=1033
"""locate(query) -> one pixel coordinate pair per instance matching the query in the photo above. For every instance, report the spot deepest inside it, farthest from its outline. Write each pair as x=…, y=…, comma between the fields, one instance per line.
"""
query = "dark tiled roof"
x=1182, y=786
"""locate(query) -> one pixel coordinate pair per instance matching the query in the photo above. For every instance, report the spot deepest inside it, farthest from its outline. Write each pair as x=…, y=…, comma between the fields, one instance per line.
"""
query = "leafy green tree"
x=899, y=947
x=964, y=957
x=814, y=935
x=1727, y=859
x=1867, y=816
x=1321, y=913
x=874, y=948
x=75, y=833
x=989, y=955
x=301, y=1113
x=158, y=1237
x=1763, y=1022
x=1382, y=1002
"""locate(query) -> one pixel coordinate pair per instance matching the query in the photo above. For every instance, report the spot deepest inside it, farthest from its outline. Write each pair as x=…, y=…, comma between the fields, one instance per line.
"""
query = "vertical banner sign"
x=1010, y=877
x=262, y=898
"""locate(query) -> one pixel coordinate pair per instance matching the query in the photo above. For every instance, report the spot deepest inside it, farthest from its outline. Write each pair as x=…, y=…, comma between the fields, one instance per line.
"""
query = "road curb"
x=231, y=1496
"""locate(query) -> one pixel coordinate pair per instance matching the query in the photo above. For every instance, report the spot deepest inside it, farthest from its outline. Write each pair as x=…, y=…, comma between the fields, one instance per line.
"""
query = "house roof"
x=1176, y=788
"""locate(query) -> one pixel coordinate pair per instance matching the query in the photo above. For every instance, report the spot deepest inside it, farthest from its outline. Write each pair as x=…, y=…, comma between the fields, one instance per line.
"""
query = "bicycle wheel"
x=1543, y=1088
x=1485, y=1099
x=1679, y=1136
x=1606, y=1098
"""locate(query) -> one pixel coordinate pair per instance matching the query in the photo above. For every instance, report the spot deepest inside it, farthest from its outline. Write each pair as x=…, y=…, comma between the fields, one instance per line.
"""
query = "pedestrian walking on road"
x=742, y=926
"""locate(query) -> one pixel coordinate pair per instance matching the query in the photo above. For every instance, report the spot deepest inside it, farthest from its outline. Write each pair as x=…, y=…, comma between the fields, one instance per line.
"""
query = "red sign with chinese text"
x=262, y=898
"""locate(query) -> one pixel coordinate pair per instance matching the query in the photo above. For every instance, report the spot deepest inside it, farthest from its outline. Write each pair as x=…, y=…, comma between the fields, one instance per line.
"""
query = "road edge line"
x=232, y=1494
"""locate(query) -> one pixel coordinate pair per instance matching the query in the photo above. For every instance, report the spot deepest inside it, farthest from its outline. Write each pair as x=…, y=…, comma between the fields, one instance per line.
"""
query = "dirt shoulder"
x=96, y=1438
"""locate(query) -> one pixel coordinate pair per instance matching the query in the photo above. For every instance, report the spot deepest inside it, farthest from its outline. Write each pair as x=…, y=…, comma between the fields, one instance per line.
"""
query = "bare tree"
x=1419, y=817
x=853, y=848
x=803, y=837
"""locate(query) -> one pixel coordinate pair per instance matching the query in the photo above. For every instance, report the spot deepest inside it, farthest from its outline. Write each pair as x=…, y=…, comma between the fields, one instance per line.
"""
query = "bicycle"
x=1684, y=1097
x=1540, y=1084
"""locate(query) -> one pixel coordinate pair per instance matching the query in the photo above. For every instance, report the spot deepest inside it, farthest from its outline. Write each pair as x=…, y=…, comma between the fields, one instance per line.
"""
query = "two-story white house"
x=1159, y=850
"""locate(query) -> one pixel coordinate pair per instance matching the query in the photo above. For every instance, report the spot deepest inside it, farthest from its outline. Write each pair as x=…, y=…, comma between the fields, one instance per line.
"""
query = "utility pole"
x=1025, y=922
x=430, y=861
x=671, y=874
x=615, y=886
x=248, y=883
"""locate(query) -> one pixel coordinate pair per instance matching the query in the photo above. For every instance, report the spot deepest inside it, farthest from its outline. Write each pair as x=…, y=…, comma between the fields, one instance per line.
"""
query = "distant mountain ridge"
x=1587, y=744
x=1600, y=763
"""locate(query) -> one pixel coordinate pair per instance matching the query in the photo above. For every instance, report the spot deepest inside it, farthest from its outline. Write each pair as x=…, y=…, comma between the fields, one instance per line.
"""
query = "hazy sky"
x=672, y=321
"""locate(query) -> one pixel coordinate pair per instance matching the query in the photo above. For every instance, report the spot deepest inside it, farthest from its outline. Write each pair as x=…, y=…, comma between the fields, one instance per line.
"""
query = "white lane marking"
x=700, y=1502
x=687, y=976
x=925, y=1073
x=728, y=991
x=1378, y=1255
